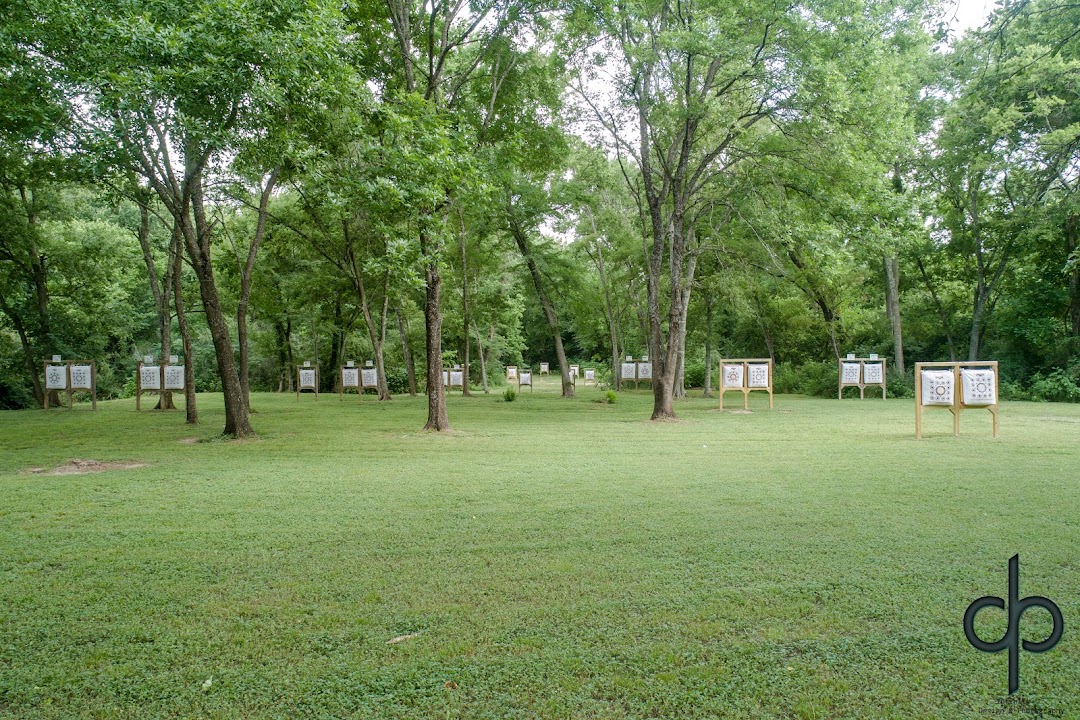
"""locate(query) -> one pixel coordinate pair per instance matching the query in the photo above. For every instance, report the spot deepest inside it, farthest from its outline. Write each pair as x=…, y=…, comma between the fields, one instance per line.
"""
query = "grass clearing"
x=550, y=559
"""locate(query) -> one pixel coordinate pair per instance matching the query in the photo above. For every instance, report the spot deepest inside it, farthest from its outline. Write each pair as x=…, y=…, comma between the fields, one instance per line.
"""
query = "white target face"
x=544, y=367
x=350, y=378
x=759, y=376
x=849, y=373
x=511, y=373
x=81, y=377
x=446, y=377
x=979, y=387
x=456, y=378
x=56, y=377
x=590, y=374
x=150, y=377
x=644, y=371
x=733, y=376
x=307, y=379
x=574, y=370
x=526, y=378
x=872, y=373
x=627, y=371
x=937, y=387
x=174, y=377
x=369, y=377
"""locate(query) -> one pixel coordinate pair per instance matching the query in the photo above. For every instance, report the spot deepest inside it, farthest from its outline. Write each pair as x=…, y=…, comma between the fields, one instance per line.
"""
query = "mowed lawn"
x=549, y=559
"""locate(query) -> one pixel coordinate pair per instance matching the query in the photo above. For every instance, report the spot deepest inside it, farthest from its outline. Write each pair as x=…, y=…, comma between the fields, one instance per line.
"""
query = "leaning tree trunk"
x=437, y=419
x=464, y=314
x=680, y=369
x=483, y=361
x=410, y=367
x=176, y=253
x=160, y=291
x=247, y=270
x=892, y=307
x=708, y=343
x=549, y=310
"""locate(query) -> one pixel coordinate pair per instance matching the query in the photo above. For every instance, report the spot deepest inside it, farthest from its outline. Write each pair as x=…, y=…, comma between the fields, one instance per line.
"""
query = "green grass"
x=557, y=559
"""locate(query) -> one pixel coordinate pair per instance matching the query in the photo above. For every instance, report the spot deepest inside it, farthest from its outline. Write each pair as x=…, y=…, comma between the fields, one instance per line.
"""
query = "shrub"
x=1059, y=386
x=509, y=394
x=610, y=397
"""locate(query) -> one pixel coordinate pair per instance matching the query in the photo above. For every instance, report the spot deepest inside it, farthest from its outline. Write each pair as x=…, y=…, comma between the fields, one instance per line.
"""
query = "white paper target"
x=81, y=377
x=350, y=377
x=544, y=367
x=759, y=376
x=937, y=387
x=590, y=374
x=979, y=387
x=369, y=377
x=627, y=371
x=872, y=373
x=511, y=372
x=733, y=376
x=150, y=377
x=307, y=379
x=445, y=377
x=525, y=378
x=56, y=377
x=174, y=377
x=575, y=371
x=456, y=378
x=849, y=373
x=644, y=371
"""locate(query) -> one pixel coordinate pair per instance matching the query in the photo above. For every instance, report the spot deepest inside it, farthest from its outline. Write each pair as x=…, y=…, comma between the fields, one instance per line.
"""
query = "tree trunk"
x=549, y=310
x=483, y=360
x=464, y=312
x=337, y=342
x=197, y=232
x=403, y=333
x=176, y=253
x=1072, y=242
x=160, y=293
x=436, y=393
x=290, y=372
x=708, y=343
x=680, y=368
x=942, y=315
x=247, y=269
x=892, y=308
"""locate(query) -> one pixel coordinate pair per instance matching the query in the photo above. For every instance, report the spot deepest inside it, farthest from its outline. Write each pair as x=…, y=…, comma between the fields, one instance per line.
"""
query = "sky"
x=966, y=14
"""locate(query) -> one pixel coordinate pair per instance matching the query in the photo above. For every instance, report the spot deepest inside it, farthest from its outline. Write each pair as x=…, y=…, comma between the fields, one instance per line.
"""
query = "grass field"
x=549, y=559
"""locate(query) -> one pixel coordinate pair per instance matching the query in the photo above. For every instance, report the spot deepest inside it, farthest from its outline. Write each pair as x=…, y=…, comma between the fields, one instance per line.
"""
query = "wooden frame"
x=350, y=366
x=450, y=380
x=307, y=367
x=545, y=368
x=367, y=373
x=957, y=405
x=162, y=378
x=861, y=384
x=522, y=372
x=744, y=381
x=67, y=366
x=637, y=370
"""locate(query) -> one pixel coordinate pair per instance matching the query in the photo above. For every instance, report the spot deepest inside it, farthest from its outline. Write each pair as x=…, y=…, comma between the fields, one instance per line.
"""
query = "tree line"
x=497, y=182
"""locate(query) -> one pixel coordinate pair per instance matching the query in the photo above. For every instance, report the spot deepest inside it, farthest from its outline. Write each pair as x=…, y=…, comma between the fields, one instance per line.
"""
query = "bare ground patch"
x=78, y=466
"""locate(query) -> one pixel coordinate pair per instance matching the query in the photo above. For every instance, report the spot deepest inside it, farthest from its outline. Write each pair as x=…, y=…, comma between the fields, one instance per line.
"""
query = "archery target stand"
x=158, y=379
x=350, y=379
x=861, y=373
x=956, y=386
x=746, y=375
x=525, y=378
x=589, y=376
x=70, y=377
x=307, y=378
x=511, y=374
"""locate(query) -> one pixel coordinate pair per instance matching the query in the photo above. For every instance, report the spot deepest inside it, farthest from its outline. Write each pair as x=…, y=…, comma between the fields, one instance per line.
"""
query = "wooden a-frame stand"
x=746, y=388
x=861, y=384
x=68, y=365
x=958, y=405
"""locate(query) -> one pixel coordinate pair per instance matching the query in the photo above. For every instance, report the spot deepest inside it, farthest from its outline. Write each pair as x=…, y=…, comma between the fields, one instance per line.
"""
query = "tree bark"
x=403, y=333
x=483, y=360
x=247, y=269
x=552, y=317
x=176, y=254
x=464, y=312
x=680, y=368
x=436, y=392
x=708, y=343
x=1072, y=242
x=160, y=291
x=892, y=308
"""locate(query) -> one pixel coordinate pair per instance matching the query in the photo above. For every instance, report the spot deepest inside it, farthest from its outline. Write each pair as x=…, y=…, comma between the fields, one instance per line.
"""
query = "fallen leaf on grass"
x=402, y=638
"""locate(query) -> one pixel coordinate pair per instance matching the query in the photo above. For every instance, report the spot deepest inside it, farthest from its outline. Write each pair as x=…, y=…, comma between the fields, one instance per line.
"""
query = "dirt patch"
x=82, y=467
x=188, y=441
